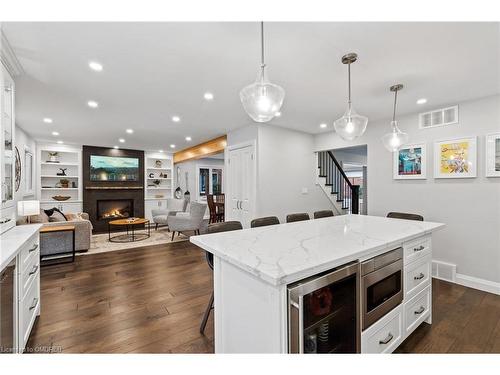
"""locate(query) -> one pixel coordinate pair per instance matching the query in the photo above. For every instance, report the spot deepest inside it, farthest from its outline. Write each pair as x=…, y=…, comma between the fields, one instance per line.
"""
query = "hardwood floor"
x=152, y=299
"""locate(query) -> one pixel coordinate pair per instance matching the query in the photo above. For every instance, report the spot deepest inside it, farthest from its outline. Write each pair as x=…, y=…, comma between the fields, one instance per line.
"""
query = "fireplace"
x=108, y=209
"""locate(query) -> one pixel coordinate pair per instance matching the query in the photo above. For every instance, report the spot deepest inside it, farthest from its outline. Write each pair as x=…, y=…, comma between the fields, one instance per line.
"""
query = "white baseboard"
x=476, y=283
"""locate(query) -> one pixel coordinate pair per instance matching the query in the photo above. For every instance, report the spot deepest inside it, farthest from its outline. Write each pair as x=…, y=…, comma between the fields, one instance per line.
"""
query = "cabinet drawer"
x=417, y=276
x=30, y=273
x=28, y=310
x=416, y=249
x=417, y=310
x=29, y=250
x=385, y=335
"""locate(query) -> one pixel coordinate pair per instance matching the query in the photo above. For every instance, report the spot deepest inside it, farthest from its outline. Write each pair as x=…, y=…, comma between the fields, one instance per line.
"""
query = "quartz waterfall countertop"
x=285, y=253
x=12, y=240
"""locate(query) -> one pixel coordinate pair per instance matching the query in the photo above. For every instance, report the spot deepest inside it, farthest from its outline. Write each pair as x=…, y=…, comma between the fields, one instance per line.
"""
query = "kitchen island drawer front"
x=30, y=273
x=385, y=335
x=417, y=249
x=29, y=250
x=417, y=310
x=28, y=310
x=417, y=276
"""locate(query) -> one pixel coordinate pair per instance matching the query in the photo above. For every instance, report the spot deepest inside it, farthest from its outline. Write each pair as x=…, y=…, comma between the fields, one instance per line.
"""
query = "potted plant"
x=64, y=182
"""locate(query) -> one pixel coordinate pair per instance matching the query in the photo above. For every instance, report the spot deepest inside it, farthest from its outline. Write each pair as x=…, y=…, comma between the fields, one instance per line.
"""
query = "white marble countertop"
x=12, y=241
x=285, y=253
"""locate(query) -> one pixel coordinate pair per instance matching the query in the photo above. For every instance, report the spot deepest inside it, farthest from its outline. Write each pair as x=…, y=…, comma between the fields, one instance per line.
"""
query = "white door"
x=241, y=185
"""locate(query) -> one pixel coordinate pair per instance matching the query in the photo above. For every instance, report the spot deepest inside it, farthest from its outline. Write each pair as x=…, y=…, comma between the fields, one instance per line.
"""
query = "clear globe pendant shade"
x=262, y=99
x=351, y=125
x=394, y=140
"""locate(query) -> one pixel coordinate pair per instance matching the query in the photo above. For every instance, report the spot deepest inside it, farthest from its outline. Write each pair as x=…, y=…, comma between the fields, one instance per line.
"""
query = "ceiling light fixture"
x=323, y=125
x=95, y=66
x=188, y=139
x=121, y=140
x=130, y=131
x=92, y=104
x=176, y=118
x=208, y=96
x=55, y=134
x=116, y=147
x=47, y=120
x=160, y=150
x=262, y=99
x=172, y=146
x=422, y=101
x=350, y=125
x=60, y=142
x=277, y=114
x=396, y=138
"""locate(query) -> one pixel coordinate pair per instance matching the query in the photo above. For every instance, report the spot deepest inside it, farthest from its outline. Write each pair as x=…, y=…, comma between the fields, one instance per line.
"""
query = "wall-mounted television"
x=113, y=168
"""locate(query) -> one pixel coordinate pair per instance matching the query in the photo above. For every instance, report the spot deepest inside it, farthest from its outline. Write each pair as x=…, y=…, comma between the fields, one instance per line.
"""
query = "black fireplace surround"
x=110, y=200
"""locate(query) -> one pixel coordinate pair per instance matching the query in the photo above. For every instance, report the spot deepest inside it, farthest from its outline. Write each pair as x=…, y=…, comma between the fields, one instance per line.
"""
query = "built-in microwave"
x=381, y=285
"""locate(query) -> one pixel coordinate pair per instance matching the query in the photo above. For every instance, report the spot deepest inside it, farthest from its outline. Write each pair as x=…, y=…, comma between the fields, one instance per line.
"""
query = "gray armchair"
x=173, y=206
x=191, y=221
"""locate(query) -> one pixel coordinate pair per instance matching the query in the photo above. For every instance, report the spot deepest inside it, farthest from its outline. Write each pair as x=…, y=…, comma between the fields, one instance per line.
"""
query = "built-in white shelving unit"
x=158, y=170
x=68, y=158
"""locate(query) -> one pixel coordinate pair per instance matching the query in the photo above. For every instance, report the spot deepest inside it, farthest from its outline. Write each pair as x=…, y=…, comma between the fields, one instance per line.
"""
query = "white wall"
x=191, y=167
x=470, y=208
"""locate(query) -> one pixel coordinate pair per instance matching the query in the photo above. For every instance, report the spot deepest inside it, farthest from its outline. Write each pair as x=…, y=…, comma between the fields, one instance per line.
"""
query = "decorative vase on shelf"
x=158, y=163
x=53, y=157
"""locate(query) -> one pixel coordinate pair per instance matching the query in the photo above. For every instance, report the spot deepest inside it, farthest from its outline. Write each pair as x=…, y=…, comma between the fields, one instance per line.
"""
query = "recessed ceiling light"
x=160, y=150
x=422, y=101
x=47, y=120
x=176, y=118
x=172, y=146
x=116, y=147
x=92, y=104
x=94, y=65
x=55, y=134
x=277, y=114
x=208, y=96
x=129, y=131
x=121, y=140
x=323, y=125
x=188, y=139
x=60, y=142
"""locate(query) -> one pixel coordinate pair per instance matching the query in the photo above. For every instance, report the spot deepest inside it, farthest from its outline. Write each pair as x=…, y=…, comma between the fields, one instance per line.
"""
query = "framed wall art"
x=410, y=162
x=493, y=155
x=455, y=158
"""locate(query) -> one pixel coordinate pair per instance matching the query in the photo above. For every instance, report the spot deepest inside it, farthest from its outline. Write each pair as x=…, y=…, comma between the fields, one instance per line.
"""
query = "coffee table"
x=130, y=226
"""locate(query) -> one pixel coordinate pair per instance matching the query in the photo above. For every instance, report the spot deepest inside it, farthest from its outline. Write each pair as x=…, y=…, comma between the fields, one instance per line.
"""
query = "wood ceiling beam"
x=214, y=146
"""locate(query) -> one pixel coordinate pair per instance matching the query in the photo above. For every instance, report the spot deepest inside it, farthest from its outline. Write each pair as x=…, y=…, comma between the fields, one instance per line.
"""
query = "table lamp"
x=28, y=208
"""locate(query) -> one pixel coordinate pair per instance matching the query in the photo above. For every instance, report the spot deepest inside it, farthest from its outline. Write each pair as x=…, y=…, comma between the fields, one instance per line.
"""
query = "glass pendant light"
x=396, y=138
x=262, y=99
x=351, y=125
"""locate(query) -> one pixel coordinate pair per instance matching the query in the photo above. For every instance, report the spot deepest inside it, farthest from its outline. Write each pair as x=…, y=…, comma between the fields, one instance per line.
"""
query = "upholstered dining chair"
x=183, y=221
x=324, y=213
x=406, y=216
x=264, y=221
x=216, y=228
x=297, y=217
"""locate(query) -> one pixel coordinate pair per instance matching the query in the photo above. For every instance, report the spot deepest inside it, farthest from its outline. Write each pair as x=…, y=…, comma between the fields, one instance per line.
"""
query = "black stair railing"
x=347, y=193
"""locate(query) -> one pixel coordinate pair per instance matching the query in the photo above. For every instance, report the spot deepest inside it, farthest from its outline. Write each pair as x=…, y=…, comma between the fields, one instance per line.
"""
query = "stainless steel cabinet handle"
x=33, y=270
x=420, y=310
x=420, y=248
x=387, y=339
x=419, y=277
x=33, y=248
x=35, y=302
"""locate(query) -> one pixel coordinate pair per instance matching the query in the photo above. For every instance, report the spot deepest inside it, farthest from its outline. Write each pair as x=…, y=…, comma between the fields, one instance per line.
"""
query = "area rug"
x=99, y=243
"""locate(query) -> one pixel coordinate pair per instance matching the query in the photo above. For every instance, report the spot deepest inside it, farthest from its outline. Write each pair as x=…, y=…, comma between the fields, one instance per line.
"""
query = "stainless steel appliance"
x=323, y=312
x=7, y=308
x=381, y=285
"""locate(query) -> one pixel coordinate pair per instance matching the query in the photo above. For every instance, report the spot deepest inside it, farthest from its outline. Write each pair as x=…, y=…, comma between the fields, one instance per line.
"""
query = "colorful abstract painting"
x=409, y=162
x=493, y=155
x=455, y=158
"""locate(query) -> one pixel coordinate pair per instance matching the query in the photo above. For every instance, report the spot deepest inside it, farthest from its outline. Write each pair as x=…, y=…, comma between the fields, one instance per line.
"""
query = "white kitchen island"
x=253, y=267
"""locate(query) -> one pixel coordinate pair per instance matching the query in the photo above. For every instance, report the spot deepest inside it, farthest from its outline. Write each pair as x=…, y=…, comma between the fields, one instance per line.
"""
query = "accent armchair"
x=191, y=221
x=173, y=207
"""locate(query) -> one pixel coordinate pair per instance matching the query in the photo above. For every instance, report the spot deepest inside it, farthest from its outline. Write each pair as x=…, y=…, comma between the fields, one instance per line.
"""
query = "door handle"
x=33, y=248
x=419, y=277
x=387, y=339
x=35, y=302
x=33, y=270
x=420, y=248
x=420, y=310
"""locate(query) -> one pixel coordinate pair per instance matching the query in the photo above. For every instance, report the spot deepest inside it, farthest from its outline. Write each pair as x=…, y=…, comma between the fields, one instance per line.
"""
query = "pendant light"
x=396, y=138
x=350, y=125
x=262, y=99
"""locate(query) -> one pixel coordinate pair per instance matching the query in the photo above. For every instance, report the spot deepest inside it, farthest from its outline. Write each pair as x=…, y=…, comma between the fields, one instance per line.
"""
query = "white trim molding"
x=477, y=283
x=9, y=58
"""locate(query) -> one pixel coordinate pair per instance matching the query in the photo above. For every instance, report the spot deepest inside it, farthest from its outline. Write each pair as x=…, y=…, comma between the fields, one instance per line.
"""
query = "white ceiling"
x=153, y=71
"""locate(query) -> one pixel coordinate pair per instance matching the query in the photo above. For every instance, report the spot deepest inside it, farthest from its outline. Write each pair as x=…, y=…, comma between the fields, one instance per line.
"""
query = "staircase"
x=334, y=182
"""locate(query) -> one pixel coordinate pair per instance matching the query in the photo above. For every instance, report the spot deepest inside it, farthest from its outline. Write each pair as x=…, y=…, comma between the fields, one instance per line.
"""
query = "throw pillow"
x=39, y=219
x=59, y=217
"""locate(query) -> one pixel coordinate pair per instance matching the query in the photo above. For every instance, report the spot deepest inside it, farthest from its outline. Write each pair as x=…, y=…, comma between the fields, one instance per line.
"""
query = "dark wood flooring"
x=151, y=300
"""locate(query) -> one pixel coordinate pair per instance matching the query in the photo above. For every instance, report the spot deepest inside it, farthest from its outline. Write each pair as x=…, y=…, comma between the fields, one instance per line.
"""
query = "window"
x=28, y=172
x=209, y=181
